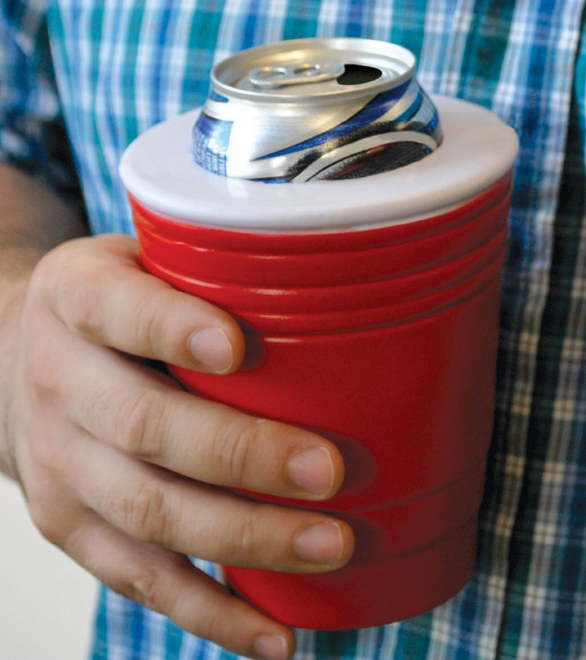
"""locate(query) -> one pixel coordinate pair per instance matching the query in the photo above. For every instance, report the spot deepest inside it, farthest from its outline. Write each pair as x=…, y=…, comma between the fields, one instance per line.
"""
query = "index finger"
x=108, y=299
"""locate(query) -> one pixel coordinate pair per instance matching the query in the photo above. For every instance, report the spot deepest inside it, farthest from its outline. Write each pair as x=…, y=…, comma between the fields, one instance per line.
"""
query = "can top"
x=478, y=149
x=301, y=70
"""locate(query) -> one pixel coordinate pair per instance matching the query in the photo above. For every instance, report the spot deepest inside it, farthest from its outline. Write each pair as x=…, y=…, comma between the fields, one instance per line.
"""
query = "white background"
x=47, y=601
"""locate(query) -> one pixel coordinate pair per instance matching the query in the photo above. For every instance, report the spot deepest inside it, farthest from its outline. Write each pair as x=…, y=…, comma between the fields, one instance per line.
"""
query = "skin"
x=121, y=468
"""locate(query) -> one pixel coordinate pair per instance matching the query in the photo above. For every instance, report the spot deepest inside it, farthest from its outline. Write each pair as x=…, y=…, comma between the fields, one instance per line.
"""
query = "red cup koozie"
x=372, y=310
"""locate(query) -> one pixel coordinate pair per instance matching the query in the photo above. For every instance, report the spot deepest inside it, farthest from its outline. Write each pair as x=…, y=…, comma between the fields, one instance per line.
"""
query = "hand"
x=121, y=467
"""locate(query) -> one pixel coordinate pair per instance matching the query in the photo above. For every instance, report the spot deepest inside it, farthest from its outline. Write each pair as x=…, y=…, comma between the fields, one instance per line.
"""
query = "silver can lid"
x=302, y=70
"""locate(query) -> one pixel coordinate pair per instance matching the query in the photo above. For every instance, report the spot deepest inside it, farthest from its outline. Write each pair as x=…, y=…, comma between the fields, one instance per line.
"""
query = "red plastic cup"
x=372, y=312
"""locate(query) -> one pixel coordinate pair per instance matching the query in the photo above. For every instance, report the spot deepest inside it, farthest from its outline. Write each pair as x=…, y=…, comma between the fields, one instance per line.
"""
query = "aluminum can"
x=371, y=312
x=315, y=109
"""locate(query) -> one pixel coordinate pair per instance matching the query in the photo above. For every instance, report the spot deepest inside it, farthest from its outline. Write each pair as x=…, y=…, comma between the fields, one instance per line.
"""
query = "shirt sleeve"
x=33, y=137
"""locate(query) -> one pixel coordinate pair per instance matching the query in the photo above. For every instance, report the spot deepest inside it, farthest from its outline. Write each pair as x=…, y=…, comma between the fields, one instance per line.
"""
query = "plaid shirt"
x=122, y=65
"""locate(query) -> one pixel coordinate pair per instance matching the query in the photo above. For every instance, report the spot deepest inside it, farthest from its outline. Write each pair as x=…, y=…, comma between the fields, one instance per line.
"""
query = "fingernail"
x=321, y=544
x=312, y=470
x=212, y=349
x=270, y=647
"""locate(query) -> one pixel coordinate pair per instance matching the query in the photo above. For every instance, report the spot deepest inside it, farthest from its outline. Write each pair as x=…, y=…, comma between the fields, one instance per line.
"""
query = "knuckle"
x=164, y=324
x=151, y=325
x=82, y=301
x=244, y=539
x=234, y=451
x=39, y=380
x=48, y=270
x=213, y=627
x=138, y=423
x=49, y=457
x=144, y=513
x=66, y=276
x=40, y=278
x=43, y=517
x=38, y=373
x=145, y=587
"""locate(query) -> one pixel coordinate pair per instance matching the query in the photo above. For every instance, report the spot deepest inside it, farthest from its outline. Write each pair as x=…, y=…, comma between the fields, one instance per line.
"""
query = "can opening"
x=358, y=74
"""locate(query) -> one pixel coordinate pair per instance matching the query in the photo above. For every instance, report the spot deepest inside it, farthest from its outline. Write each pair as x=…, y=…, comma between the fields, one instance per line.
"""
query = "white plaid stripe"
x=382, y=17
x=329, y=15
x=460, y=19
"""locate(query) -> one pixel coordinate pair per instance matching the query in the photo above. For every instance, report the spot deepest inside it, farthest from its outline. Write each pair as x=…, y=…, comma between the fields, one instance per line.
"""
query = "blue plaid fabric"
x=115, y=67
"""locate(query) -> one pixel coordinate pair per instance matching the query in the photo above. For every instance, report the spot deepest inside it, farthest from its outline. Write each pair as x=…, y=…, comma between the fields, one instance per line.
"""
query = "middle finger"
x=130, y=407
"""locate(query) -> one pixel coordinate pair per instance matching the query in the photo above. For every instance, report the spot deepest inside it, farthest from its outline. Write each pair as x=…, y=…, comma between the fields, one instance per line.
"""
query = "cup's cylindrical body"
x=384, y=341
x=381, y=337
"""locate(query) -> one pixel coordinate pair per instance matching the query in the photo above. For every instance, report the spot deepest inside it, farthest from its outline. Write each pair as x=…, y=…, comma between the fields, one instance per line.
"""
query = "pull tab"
x=295, y=74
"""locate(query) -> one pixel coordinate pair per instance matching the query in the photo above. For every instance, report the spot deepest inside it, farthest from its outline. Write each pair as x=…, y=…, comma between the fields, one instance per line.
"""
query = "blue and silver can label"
x=315, y=109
